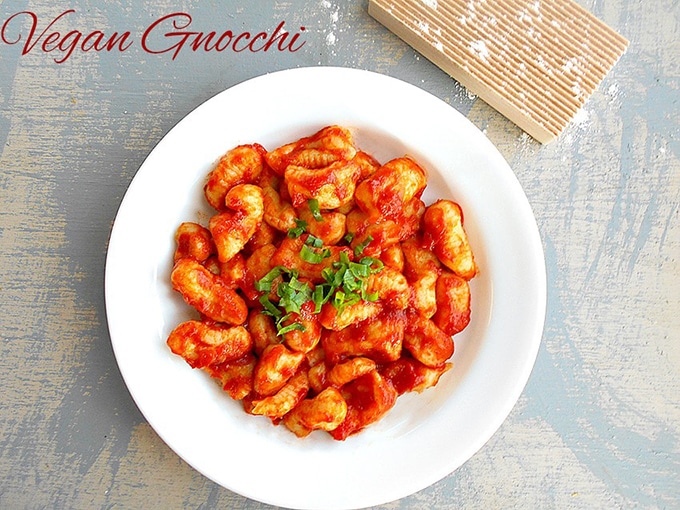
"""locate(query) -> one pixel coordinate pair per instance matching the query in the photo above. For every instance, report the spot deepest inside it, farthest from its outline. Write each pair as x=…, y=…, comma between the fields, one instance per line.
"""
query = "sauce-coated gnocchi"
x=325, y=287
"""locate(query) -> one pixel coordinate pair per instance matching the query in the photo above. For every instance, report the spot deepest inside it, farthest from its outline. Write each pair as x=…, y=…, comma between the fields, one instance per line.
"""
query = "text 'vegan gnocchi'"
x=325, y=287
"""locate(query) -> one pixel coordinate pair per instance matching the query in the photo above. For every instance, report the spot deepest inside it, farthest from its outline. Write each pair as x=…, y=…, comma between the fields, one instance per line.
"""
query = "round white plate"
x=425, y=436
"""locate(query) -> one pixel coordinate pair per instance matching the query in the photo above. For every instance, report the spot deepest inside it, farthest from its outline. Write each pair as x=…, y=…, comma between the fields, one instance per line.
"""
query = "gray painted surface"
x=598, y=425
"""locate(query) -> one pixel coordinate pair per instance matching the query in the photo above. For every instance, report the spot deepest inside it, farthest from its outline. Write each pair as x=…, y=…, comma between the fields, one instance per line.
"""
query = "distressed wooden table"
x=598, y=425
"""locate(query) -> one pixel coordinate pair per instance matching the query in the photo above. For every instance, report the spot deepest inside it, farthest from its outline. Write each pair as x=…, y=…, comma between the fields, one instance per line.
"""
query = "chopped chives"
x=313, y=204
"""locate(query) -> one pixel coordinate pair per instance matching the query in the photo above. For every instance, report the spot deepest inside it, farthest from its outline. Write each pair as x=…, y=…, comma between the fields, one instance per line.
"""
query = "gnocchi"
x=325, y=287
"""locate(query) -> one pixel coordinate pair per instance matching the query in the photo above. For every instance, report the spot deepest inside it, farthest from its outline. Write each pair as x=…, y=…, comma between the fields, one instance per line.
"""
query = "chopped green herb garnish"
x=269, y=307
x=346, y=280
x=345, y=283
x=314, y=257
x=371, y=261
x=344, y=259
x=313, y=204
x=313, y=241
x=322, y=293
x=359, y=249
x=359, y=270
x=293, y=294
x=291, y=327
x=265, y=284
x=373, y=296
x=300, y=229
x=349, y=237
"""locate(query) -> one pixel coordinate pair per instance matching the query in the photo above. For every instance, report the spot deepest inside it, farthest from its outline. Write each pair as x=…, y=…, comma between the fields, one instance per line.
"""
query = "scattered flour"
x=479, y=48
x=525, y=144
x=570, y=64
x=331, y=37
x=578, y=91
x=523, y=16
x=582, y=118
x=423, y=26
x=432, y=4
x=614, y=94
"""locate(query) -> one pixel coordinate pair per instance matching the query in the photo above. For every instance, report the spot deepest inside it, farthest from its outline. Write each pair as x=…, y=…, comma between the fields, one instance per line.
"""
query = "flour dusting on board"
x=423, y=26
x=535, y=61
x=480, y=49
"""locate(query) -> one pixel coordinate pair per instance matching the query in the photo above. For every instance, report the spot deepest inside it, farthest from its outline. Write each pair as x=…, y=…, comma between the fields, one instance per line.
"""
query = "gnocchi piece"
x=269, y=178
x=357, y=222
x=393, y=257
x=318, y=377
x=276, y=366
x=368, y=165
x=233, y=272
x=422, y=269
x=391, y=287
x=379, y=338
x=232, y=229
x=303, y=340
x=202, y=344
x=418, y=259
x=424, y=294
x=326, y=411
x=323, y=148
x=387, y=191
x=266, y=234
x=408, y=374
x=410, y=218
x=453, y=303
x=316, y=356
x=263, y=331
x=384, y=232
x=331, y=318
x=349, y=370
x=331, y=228
x=425, y=341
x=332, y=186
x=241, y=165
x=213, y=265
x=208, y=293
x=376, y=237
x=257, y=266
x=368, y=399
x=282, y=402
x=278, y=213
x=193, y=241
x=443, y=224
x=235, y=377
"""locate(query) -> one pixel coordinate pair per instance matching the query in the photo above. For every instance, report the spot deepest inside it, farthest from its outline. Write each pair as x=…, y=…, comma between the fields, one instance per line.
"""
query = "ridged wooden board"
x=535, y=61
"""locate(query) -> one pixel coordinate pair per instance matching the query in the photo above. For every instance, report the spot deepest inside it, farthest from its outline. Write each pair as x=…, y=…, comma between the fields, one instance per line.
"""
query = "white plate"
x=425, y=436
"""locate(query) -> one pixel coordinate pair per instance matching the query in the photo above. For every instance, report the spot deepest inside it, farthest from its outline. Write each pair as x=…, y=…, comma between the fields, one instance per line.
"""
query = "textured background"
x=598, y=425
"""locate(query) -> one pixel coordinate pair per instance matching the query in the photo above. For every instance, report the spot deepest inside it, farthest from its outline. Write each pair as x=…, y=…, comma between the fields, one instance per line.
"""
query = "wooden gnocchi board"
x=535, y=61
